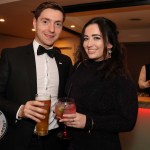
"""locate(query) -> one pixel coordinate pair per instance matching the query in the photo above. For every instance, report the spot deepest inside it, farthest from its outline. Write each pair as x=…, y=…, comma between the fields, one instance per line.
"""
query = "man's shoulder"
x=17, y=48
x=63, y=56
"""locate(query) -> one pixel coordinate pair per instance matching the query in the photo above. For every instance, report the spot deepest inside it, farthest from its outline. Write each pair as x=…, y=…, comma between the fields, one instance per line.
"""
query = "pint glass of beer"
x=42, y=127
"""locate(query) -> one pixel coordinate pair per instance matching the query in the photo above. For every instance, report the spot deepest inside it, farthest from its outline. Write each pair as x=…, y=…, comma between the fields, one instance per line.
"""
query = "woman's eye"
x=97, y=38
x=85, y=38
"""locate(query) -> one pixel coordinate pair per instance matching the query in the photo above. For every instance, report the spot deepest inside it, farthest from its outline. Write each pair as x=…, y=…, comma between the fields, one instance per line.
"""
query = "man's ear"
x=34, y=23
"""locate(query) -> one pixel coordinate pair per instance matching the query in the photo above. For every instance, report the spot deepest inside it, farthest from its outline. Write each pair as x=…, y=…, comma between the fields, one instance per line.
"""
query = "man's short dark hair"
x=45, y=5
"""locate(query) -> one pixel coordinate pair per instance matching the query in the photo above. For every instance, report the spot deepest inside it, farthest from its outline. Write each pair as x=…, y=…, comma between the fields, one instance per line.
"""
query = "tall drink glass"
x=42, y=127
x=65, y=106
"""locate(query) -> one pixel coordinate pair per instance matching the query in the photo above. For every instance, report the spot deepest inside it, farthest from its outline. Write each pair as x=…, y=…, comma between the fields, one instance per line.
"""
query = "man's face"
x=48, y=27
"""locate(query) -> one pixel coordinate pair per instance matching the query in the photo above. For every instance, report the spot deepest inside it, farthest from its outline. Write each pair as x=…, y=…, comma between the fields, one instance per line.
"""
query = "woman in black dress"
x=105, y=96
x=144, y=79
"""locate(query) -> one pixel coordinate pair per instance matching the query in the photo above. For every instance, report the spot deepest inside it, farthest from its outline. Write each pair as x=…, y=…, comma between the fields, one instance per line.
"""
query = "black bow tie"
x=41, y=50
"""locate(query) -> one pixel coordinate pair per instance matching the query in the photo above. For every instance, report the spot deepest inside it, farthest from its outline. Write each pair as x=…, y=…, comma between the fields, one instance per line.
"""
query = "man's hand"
x=33, y=110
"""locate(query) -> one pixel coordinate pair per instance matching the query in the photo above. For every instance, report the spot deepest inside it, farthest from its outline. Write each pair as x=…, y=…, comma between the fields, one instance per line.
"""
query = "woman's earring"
x=109, y=51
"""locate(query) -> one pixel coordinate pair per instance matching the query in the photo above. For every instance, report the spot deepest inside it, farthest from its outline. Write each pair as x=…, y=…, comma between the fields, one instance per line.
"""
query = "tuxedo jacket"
x=18, y=84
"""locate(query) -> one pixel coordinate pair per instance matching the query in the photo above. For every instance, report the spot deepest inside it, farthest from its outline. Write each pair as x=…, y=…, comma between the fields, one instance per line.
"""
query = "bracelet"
x=92, y=124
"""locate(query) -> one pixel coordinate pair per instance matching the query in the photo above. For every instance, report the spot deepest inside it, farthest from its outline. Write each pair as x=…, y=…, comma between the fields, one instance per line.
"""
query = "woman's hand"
x=76, y=120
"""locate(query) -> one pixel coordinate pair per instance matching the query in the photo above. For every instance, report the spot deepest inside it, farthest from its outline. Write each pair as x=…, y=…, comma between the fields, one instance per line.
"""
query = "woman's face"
x=93, y=43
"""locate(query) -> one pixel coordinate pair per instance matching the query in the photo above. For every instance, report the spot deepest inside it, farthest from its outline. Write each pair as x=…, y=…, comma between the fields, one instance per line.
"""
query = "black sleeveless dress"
x=147, y=66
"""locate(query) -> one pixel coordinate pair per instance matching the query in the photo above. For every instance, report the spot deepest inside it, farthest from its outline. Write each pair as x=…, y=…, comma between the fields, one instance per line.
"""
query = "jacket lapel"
x=59, y=63
x=31, y=70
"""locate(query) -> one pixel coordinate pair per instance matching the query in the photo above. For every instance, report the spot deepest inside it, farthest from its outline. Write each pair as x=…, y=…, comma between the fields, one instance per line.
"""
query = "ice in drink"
x=59, y=109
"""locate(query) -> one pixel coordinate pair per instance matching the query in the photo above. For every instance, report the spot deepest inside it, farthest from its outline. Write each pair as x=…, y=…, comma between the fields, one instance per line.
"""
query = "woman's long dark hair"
x=117, y=62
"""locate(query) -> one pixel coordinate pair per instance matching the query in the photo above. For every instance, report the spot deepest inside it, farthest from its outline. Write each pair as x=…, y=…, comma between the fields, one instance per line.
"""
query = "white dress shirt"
x=47, y=80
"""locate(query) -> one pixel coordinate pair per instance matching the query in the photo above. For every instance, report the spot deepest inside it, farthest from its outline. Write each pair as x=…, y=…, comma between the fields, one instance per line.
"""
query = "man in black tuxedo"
x=28, y=70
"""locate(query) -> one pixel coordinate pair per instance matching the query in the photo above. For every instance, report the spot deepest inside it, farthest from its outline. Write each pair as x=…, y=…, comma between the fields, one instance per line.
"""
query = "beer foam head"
x=42, y=96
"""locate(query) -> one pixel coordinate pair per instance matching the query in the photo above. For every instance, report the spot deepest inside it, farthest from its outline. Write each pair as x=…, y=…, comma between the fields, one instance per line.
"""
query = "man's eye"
x=45, y=21
x=58, y=24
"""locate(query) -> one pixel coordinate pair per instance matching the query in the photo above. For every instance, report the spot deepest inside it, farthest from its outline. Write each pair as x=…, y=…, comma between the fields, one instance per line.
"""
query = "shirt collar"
x=36, y=45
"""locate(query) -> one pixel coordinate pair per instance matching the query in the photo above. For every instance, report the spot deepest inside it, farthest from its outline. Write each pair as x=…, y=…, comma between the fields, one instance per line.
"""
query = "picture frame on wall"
x=3, y=125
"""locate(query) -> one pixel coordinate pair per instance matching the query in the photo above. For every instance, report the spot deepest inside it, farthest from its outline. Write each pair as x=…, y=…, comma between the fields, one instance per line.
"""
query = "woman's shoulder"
x=147, y=65
x=77, y=64
x=124, y=81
